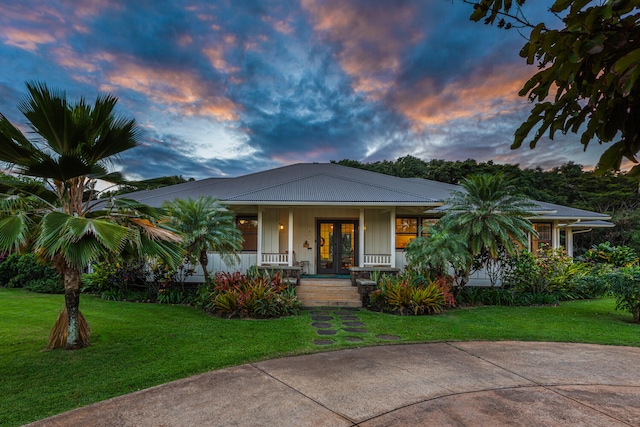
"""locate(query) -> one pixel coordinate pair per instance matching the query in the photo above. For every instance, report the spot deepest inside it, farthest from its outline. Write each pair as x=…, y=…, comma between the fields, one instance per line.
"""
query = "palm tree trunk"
x=72, y=303
x=204, y=261
x=71, y=330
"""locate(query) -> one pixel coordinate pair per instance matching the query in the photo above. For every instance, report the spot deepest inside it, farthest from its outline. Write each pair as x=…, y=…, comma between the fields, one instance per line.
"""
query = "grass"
x=135, y=346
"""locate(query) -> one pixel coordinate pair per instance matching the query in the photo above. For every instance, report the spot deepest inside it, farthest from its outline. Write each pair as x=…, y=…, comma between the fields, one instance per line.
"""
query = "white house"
x=327, y=218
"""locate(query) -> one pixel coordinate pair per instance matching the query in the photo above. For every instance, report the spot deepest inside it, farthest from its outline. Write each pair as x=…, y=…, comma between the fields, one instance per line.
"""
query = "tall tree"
x=490, y=215
x=73, y=147
x=207, y=225
x=588, y=79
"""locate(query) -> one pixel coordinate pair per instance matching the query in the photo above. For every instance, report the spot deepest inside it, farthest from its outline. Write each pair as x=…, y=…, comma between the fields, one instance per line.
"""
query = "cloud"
x=369, y=39
x=27, y=40
x=180, y=91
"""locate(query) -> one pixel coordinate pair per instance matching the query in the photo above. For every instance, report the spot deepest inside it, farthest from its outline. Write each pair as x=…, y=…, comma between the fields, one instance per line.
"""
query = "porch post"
x=569, y=234
x=361, y=239
x=290, y=237
x=259, y=261
x=555, y=238
x=392, y=244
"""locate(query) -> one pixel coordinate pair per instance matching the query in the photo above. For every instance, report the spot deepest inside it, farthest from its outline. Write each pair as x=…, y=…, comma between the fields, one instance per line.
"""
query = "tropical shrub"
x=624, y=285
x=406, y=294
x=151, y=280
x=604, y=253
x=26, y=271
x=249, y=295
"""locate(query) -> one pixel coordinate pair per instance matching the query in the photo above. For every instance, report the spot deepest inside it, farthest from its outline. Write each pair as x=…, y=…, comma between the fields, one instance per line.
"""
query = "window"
x=248, y=225
x=544, y=236
x=407, y=229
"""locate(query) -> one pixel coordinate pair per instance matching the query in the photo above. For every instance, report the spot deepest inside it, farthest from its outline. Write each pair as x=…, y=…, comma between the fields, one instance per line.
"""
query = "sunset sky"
x=223, y=88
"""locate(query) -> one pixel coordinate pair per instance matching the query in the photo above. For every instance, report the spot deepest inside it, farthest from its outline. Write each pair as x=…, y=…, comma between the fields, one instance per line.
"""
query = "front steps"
x=327, y=293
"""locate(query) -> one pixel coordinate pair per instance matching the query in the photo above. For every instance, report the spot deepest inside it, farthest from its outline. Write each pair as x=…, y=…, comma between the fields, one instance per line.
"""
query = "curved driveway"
x=437, y=384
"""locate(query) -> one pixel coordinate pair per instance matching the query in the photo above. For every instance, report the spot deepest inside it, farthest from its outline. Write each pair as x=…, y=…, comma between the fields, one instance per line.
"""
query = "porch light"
x=280, y=226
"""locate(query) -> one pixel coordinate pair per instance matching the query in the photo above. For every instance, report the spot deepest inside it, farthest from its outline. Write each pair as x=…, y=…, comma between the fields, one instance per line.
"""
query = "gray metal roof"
x=329, y=183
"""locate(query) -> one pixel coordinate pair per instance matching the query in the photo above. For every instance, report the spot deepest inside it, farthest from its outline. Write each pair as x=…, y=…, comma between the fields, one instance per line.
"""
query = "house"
x=329, y=219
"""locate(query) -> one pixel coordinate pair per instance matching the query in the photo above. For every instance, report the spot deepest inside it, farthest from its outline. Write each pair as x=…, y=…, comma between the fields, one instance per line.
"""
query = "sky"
x=225, y=88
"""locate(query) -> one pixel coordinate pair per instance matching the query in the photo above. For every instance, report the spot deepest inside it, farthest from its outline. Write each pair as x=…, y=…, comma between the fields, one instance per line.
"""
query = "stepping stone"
x=323, y=342
x=355, y=330
x=321, y=318
x=324, y=312
x=349, y=318
x=388, y=337
x=353, y=339
x=321, y=325
x=344, y=312
x=354, y=324
x=326, y=331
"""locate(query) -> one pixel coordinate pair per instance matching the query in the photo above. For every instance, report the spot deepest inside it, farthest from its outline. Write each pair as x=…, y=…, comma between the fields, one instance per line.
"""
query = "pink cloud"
x=483, y=94
x=177, y=90
x=27, y=40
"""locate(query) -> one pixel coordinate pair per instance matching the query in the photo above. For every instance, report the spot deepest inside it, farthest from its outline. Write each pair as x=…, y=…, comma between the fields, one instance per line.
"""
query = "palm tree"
x=490, y=215
x=207, y=225
x=439, y=253
x=73, y=147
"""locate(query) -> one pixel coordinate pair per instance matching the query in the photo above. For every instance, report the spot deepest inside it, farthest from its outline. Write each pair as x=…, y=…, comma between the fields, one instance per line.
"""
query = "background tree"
x=587, y=81
x=207, y=225
x=73, y=147
x=491, y=216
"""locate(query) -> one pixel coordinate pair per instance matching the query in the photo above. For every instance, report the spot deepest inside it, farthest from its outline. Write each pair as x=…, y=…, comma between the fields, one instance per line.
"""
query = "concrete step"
x=328, y=293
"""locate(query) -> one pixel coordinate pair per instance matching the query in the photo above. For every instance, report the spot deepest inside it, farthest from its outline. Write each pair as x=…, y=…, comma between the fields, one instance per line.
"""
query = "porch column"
x=392, y=244
x=259, y=261
x=361, y=239
x=290, y=237
x=555, y=237
x=569, y=234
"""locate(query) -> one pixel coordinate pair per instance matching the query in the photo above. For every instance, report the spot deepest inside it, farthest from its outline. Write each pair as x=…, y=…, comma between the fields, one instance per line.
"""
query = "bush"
x=139, y=280
x=119, y=280
x=475, y=295
x=624, y=285
x=604, y=253
x=251, y=295
x=407, y=294
x=27, y=271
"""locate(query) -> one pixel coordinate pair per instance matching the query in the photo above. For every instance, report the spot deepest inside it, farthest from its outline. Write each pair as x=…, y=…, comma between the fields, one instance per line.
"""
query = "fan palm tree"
x=73, y=147
x=207, y=225
x=490, y=215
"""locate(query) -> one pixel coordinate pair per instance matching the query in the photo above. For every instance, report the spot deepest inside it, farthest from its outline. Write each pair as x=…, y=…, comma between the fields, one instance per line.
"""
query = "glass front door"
x=336, y=246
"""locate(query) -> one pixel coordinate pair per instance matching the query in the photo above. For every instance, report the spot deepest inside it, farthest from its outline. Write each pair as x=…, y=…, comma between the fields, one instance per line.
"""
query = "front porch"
x=323, y=240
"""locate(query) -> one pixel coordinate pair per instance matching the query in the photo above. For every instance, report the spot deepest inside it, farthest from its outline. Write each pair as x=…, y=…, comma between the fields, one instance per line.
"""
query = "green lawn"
x=135, y=346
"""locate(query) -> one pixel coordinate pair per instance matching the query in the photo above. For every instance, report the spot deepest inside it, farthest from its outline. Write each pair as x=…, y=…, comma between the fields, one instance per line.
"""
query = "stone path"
x=328, y=321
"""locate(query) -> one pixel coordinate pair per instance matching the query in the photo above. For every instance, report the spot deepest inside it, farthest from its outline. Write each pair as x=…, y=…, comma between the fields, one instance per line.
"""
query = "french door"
x=336, y=245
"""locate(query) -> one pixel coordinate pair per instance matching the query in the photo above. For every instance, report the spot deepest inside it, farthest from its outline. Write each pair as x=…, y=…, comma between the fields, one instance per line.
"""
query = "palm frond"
x=14, y=232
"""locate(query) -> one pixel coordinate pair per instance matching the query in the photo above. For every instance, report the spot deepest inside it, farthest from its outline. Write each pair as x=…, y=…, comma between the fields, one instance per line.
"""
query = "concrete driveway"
x=438, y=384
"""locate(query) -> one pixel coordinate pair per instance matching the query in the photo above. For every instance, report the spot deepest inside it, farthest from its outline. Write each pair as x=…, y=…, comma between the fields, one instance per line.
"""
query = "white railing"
x=377, y=259
x=275, y=259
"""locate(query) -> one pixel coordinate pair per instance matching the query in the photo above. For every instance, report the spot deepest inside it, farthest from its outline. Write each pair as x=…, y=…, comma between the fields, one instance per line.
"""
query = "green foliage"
x=624, y=285
x=438, y=254
x=131, y=279
x=207, y=225
x=553, y=273
x=406, y=294
x=26, y=271
x=604, y=253
x=589, y=68
x=257, y=296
